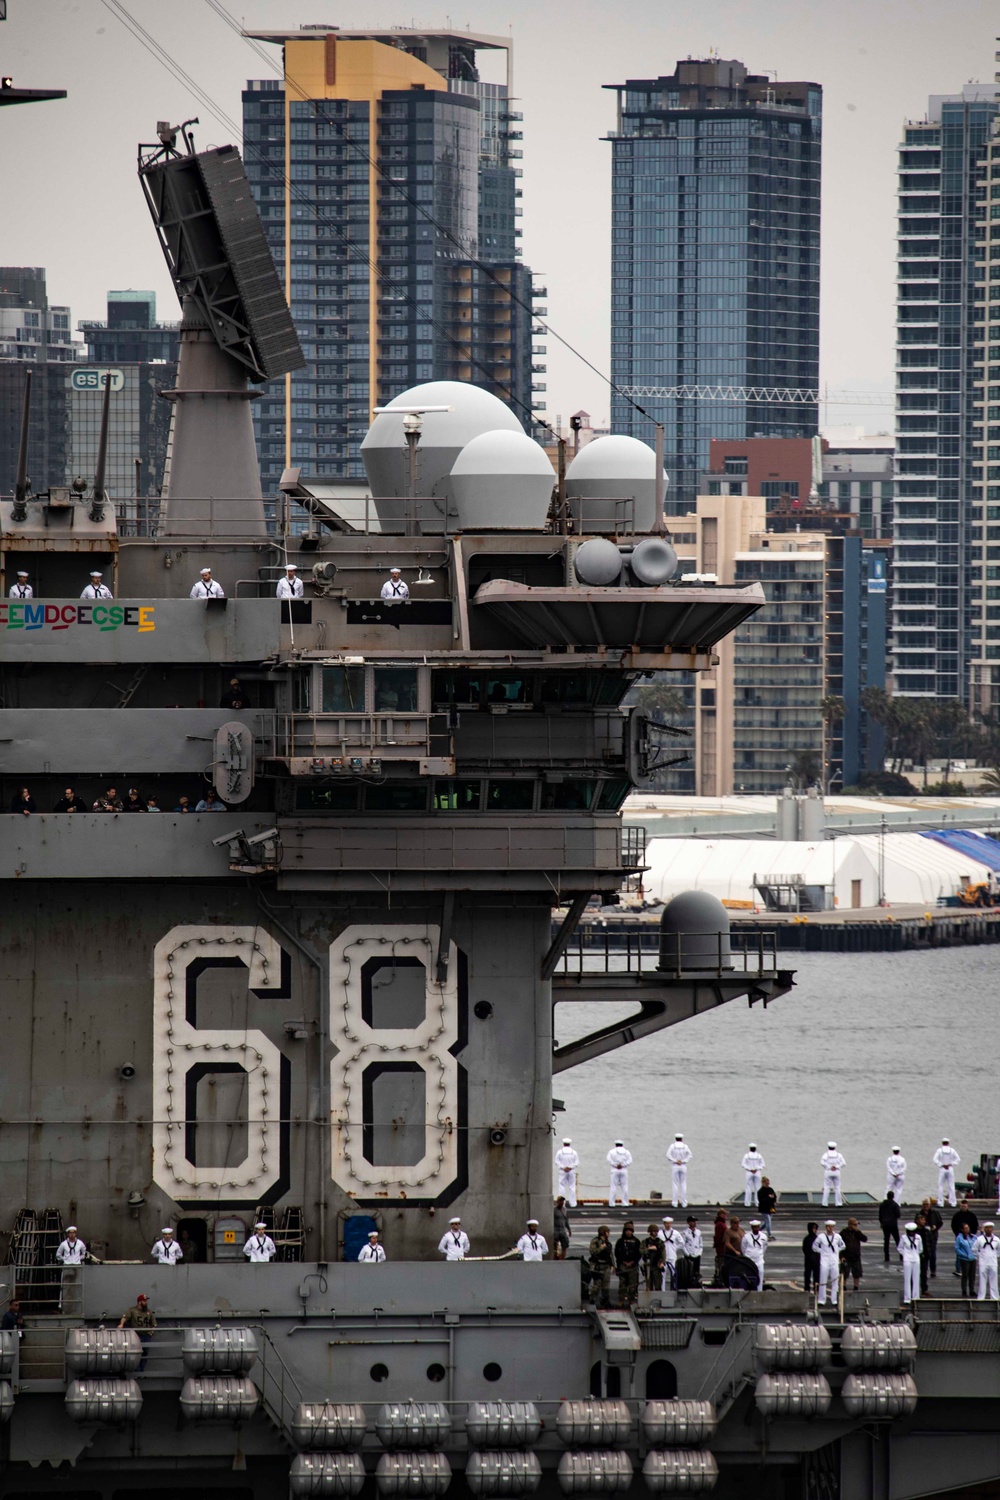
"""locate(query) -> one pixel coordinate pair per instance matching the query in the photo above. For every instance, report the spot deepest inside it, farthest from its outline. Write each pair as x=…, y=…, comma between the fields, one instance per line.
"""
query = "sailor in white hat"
x=619, y=1160
x=568, y=1161
x=72, y=1251
x=986, y=1247
x=833, y=1164
x=911, y=1248
x=373, y=1253
x=289, y=587
x=260, y=1247
x=753, y=1165
x=166, y=1250
x=673, y=1246
x=753, y=1245
x=22, y=588
x=95, y=588
x=895, y=1173
x=394, y=590
x=207, y=587
x=946, y=1159
x=532, y=1245
x=678, y=1155
x=828, y=1245
x=454, y=1242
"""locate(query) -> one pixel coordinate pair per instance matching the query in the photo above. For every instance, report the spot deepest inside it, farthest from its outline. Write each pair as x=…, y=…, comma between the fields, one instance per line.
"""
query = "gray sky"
x=71, y=201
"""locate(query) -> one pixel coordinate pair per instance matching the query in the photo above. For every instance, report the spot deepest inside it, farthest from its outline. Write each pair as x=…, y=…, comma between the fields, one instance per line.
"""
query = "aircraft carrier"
x=331, y=1007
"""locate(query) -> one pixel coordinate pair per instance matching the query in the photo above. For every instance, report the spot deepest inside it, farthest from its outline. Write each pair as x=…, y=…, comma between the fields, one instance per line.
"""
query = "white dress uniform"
x=22, y=591
x=167, y=1252
x=454, y=1244
x=673, y=1246
x=753, y=1245
x=679, y=1155
x=986, y=1246
x=753, y=1166
x=619, y=1160
x=207, y=588
x=371, y=1254
x=946, y=1159
x=72, y=1252
x=289, y=588
x=693, y=1242
x=395, y=590
x=828, y=1246
x=97, y=591
x=911, y=1248
x=895, y=1175
x=567, y=1160
x=259, y=1248
x=833, y=1164
x=532, y=1246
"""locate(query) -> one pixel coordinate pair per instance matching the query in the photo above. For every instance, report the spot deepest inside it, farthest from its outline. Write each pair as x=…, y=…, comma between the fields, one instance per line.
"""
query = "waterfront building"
x=984, y=570
x=35, y=335
x=715, y=257
x=939, y=412
x=386, y=173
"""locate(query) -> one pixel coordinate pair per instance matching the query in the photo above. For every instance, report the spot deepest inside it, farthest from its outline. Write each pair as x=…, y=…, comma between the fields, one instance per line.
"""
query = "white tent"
x=919, y=869
x=727, y=867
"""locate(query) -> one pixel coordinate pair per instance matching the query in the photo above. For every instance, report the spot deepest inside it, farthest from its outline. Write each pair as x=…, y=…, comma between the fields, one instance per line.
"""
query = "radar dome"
x=501, y=480
x=443, y=435
x=613, y=469
x=694, y=933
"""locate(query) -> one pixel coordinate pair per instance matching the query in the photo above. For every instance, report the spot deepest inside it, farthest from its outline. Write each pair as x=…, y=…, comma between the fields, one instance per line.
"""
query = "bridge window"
x=510, y=796
x=395, y=690
x=457, y=796
x=396, y=798
x=343, y=690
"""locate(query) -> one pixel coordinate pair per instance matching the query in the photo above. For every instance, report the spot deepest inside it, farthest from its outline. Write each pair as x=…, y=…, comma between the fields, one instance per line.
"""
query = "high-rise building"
x=984, y=651
x=939, y=404
x=715, y=257
x=38, y=337
x=386, y=176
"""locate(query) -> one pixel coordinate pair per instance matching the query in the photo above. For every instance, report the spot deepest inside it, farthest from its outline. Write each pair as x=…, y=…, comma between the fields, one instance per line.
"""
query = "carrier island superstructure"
x=331, y=1005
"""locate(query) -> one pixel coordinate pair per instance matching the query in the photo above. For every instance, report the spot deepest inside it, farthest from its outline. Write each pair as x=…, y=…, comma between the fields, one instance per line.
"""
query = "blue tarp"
x=978, y=846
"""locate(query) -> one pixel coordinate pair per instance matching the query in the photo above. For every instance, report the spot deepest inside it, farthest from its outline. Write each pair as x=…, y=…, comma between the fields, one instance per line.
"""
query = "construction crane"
x=767, y=395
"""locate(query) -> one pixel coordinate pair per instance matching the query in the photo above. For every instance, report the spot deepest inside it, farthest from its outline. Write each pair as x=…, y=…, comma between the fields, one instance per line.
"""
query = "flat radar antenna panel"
x=214, y=244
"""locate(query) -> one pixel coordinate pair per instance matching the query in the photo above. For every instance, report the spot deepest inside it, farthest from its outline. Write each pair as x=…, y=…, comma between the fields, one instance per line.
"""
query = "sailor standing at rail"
x=946, y=1159
x=72, y=1251
x=911, y=1248
x=22, y=588
x=678, y=1155
x=753, y=1166
x=619, y=1160
x=532, y=1245
x=833, y=1164
x=567, y=1160
x=394, y=589
x=673, y=1246
x=207, y=587
x=373, y=1253
x=95, y=588
x=895, y=1174
x=985, y=1248
x=260, y=1247
x=455, y=1242
x=166, y=1250
x=289, y=587
x=828, y=1246
x=754, y=1244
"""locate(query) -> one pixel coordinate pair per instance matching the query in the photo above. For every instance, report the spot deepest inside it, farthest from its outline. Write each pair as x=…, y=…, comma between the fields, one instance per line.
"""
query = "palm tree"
x=833, y=710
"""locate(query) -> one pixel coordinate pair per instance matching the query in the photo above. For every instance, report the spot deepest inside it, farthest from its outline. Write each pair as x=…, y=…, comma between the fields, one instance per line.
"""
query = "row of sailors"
x=259, y=1248
x=679, y=1154
x=394, y=590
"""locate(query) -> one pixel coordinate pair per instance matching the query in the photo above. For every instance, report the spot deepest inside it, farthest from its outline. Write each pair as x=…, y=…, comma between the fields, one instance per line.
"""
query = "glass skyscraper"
x=383, y=170
x=939, y=414
x=714, y=256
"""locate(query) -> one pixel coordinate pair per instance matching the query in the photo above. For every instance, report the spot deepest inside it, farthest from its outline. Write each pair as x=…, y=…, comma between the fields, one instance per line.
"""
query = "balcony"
x=314, y=745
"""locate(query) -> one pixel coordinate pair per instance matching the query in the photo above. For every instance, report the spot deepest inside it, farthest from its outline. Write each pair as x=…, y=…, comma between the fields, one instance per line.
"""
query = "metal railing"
x=389, y=735
x=622, y=948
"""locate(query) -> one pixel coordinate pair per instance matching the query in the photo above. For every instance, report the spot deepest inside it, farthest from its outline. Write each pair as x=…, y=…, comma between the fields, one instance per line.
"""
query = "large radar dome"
x=613, y=469
x=502, y=480
x=443, y=434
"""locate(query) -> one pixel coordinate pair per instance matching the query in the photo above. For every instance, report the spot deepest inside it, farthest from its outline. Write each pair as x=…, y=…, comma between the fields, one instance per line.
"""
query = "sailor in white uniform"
x=455, y=1242
x=895, y=1174
x=166, y=1250
x=833, y=1164
x=619, y=1160
x=72, y=1251
x=531, y=1245
x=986, y=1246
x=260, y=1247
x=753, y=1166
x=828, y=1245
x=22, y=588
x=289, y=587
x=95, y=588
x=678, y=1155
x=373, y=1253
x=911, y=1248
x=394, y=590
x=568, y=1161
x=207, y=587
x=946, y=1159
x=673, y=1246
x=754, y=1244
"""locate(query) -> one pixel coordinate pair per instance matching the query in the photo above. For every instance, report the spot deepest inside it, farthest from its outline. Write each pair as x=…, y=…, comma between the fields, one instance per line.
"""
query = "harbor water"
x=871, y=1051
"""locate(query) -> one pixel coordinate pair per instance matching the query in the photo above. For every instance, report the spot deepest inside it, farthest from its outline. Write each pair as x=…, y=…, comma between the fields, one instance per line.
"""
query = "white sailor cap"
x=455, y=1220
x=291, y=567
x=96, y=573
x=755, y=1223
x=831, y=1145
x=619, y=1143
x=206, y=570
x=71, y=1229
x=678, y=1137
x=395, y=568
x=167, y=1229
x=22, y=572
x=895, y=1149
x=911, y=1225
x=667, y=1219
x=532, y=1221
x=753, y=1146
x=373, y=1234
x=261, y=1225
x=945, y=1141
x=567, y=1140
x=988, y=1224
